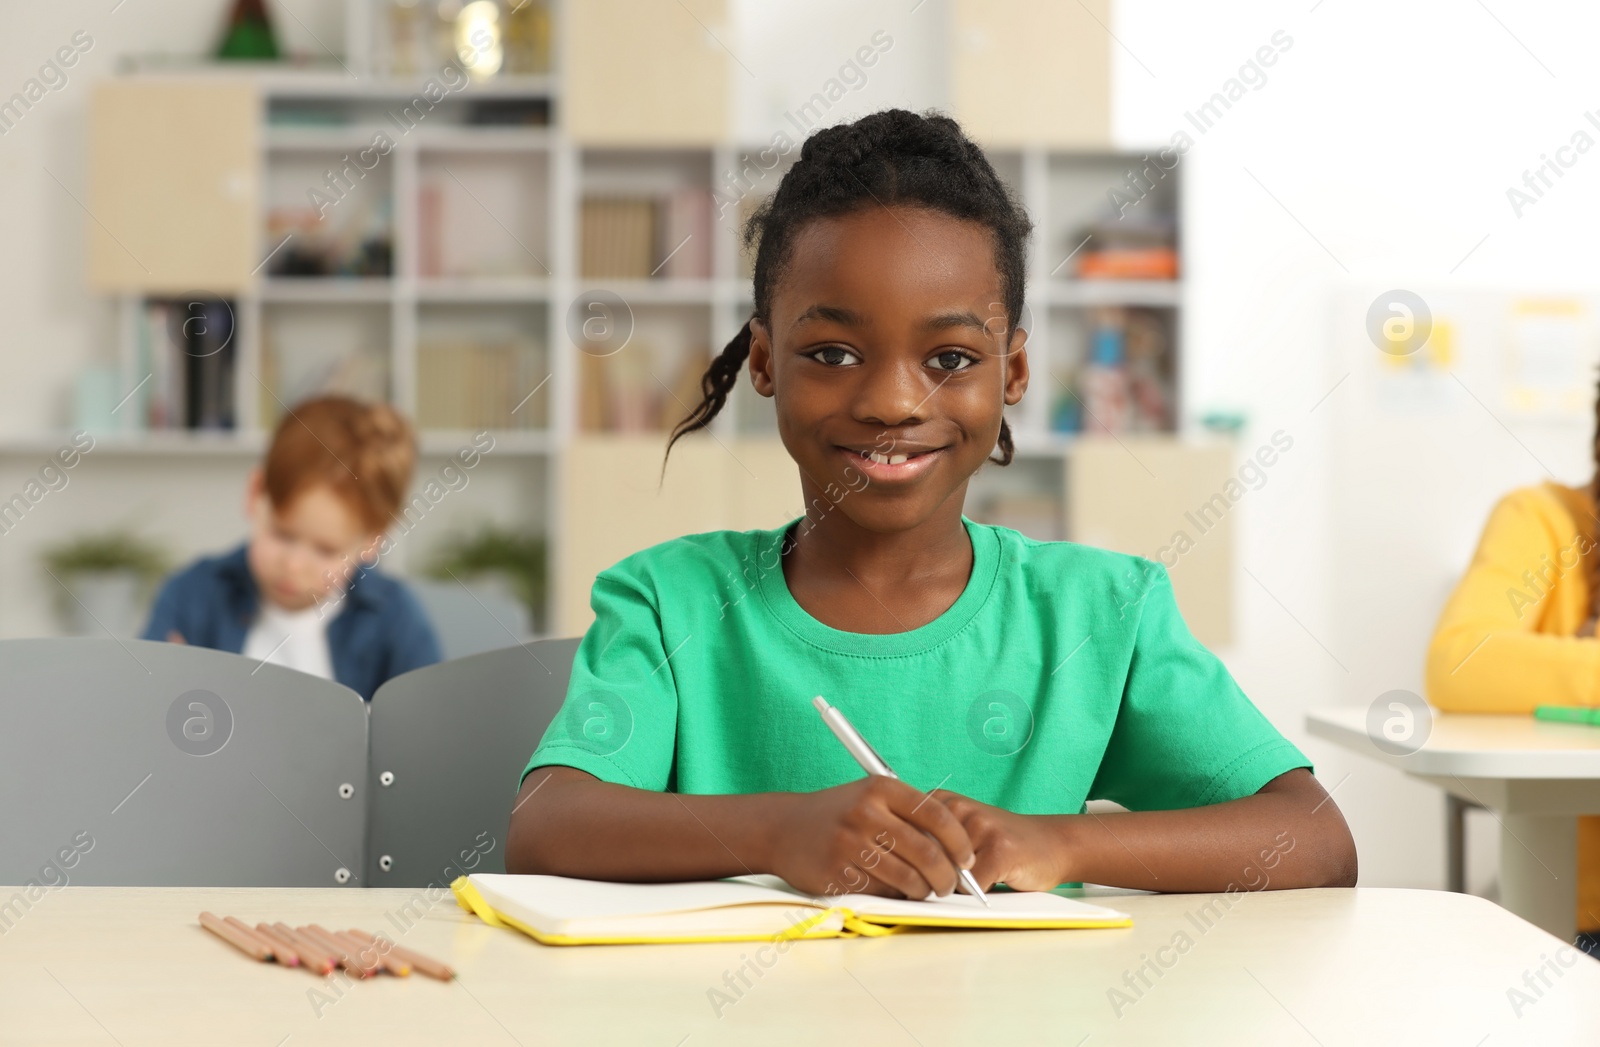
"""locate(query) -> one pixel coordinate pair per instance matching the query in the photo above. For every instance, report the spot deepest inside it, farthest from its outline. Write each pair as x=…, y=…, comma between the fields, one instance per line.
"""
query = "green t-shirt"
x=1062, y=673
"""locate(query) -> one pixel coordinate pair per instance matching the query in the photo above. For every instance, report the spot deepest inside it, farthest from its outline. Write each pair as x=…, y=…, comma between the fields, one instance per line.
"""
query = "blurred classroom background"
x=211, y=215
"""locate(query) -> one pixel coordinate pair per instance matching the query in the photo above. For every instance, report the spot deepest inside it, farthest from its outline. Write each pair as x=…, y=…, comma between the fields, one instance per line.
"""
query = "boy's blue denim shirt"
x=380, y=631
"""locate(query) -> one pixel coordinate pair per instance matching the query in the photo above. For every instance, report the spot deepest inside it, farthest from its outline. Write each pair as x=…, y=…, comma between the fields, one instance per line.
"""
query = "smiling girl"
x=1007, y=680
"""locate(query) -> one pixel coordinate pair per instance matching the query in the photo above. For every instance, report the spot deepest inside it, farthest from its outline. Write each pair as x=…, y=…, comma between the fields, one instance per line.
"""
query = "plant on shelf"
x=249, y=35
x=106, y=580
x=511, y=558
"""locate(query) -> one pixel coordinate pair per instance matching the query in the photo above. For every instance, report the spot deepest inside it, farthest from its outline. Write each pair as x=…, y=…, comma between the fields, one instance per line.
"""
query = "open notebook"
x=558, y=910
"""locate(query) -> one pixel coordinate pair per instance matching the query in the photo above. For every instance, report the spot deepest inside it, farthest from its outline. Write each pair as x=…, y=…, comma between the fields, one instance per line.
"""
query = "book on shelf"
x=430, y=226
x=618, y=237
x=1129, y=263
x=478, y=384
x=621, y=393
x=297, y=369
x=686, y=235
x=481, y=220
x=1130, y=251
x=188, y=351
x=639, y=237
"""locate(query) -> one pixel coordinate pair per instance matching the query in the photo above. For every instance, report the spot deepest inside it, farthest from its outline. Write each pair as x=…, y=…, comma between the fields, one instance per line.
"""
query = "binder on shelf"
x=188, y=350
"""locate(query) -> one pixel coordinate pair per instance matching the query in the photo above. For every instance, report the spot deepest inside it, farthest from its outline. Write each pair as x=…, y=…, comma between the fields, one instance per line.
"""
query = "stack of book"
x=635, y=238
x=1129, y=251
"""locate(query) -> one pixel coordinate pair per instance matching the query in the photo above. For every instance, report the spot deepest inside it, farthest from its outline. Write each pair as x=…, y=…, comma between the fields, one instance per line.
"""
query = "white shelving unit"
x=395, y=318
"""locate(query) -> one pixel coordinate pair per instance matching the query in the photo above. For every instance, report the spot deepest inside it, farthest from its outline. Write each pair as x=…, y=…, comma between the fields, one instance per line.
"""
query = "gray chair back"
x=448, y=744
x=136, y=763
x=471, y=619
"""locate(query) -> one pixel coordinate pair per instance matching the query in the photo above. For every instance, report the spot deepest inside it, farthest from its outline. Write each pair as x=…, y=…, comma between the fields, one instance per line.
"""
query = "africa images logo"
x=599, y=722
x=999, y=722
x=199, y=722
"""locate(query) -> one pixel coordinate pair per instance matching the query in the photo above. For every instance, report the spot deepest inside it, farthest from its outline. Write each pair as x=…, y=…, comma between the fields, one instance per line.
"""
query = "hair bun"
x=381, y=421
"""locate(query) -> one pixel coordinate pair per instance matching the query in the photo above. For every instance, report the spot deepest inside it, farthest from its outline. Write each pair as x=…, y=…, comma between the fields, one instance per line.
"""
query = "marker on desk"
x=1568, y=714
x=872, y=763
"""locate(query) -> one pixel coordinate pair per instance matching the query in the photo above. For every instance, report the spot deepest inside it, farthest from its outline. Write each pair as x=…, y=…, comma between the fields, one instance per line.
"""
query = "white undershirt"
x=294, y=639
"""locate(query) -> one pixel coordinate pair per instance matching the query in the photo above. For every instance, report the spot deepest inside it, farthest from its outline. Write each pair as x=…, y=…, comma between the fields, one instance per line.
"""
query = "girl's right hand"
x=869, y=837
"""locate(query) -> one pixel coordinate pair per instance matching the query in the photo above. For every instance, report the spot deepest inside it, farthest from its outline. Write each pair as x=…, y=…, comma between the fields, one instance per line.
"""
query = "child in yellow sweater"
x=1519, y=631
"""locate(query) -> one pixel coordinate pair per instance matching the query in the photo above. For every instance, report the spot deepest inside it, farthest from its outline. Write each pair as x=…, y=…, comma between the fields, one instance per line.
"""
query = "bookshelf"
x=461, y=276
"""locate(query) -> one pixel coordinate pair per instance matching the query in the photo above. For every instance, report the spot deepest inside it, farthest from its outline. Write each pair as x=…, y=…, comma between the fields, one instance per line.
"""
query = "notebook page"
x=1015, y=905
x=563, y=898
x=1003, y=905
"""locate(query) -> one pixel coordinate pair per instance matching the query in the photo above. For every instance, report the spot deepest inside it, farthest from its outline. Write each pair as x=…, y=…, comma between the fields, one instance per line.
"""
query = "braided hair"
x=885, y=158
x=1591, y=530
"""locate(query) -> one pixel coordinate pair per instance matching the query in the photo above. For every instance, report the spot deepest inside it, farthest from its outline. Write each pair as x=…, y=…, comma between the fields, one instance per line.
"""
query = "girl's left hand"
x=1024, y=852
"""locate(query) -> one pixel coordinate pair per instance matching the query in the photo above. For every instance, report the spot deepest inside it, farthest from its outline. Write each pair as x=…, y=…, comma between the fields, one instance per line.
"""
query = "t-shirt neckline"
x=781, y=602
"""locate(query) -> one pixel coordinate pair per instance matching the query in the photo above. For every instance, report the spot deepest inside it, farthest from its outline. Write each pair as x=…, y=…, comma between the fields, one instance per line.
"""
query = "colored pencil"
x=389, y=962
x=347, y=957
x=244, y=941
x=423, y=965
x=282, y=954
x=283, y=947
x=312, y=955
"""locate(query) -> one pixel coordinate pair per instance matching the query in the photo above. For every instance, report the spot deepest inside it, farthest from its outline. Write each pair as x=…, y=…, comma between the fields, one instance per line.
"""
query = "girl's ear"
x=760, y=358
x=1016, y=367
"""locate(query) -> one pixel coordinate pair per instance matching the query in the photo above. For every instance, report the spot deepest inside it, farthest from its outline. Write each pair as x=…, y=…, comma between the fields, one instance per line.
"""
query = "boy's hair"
x=885, y=158
x=365, y=452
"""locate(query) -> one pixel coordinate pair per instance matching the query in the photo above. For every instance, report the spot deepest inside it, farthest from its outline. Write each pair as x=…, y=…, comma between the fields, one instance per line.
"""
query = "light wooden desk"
x=130, y=966
x=1535, y=776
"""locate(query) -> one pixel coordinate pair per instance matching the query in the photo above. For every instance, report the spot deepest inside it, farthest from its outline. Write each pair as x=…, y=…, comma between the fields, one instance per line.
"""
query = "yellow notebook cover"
x=558, y=910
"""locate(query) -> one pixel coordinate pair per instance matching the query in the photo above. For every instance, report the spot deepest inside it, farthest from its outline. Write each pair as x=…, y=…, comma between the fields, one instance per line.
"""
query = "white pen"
x=872, y=763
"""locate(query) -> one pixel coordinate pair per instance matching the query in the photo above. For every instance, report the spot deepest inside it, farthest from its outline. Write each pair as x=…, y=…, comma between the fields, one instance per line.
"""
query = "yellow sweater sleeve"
x=1487, y=654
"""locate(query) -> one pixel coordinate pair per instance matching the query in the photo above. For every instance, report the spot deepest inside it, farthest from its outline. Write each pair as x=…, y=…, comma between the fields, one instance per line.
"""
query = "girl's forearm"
x=568, y=823
x=1284, y=836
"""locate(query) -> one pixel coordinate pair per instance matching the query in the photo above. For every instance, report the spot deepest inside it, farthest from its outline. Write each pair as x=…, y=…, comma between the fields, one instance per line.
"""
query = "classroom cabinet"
x=173, y=190
x=1171, y=501
x=610, y=504
x=647, y=74
x=1032, y=72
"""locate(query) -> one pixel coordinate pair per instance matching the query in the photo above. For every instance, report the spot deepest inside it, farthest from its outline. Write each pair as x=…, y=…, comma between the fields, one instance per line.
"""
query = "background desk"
x=130, y=965
x=1535, y=776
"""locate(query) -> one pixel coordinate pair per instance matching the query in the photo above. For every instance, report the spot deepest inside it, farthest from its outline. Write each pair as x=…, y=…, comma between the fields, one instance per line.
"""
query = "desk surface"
x=1475, y=745
x=131, y=966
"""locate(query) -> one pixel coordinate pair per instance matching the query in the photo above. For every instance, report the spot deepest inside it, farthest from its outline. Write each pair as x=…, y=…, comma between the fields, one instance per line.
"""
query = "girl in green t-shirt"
x=889, y=273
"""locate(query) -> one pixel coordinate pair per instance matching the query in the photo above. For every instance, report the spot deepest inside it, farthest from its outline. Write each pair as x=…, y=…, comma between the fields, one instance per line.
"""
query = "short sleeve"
x=1185, y=734
x=619, y=719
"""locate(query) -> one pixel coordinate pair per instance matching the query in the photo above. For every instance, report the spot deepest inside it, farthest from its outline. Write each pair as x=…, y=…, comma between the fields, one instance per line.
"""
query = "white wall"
x=1389, y=133
x=786, y=52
